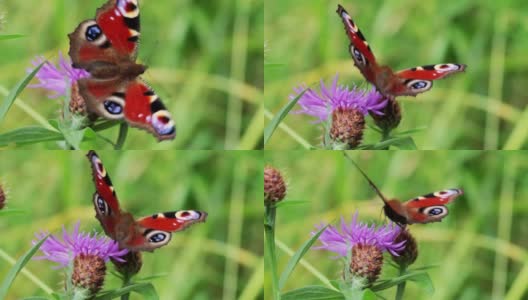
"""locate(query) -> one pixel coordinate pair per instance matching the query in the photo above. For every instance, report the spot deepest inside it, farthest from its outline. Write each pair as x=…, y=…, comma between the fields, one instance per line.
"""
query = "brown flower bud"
x=409, y=254
x=131, y=266
x=2, y=197
x=347, y=127
x=274, y=186
x=367, y=261
x=391, y=116
x=88, y=272
x=77, y=103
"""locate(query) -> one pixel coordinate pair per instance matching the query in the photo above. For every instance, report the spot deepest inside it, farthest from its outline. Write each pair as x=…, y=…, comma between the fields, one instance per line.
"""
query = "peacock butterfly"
x=423, y=209
x=406, y=82
x=107, y=48
x=145, y=234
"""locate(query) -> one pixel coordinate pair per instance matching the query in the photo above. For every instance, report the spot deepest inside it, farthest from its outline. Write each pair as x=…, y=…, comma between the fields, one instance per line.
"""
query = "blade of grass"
x=419, y=276
x=238, y=66
x=10, y=36
x=147, y=290
x=253, y=134
x=277, y=119
x=290, y=131
x=504, y=227
x=496, y=77
x=254, y=285
x=29, y=135
x=294, y=260
x=21, y=262
x=13, y=94
x=306, y=265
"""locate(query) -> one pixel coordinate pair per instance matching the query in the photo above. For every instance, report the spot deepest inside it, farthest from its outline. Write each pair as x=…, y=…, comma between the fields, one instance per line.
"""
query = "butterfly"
x=391, y=84
x=423, y=209
x=107, y=48
x=145, y=234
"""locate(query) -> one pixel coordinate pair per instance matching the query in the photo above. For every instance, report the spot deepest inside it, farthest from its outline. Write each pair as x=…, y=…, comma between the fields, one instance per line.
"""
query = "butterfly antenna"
x=372, y=185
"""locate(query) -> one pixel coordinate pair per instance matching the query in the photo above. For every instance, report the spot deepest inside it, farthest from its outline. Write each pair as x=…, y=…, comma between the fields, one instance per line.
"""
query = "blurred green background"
x=479, y=248
x=219, y=259
x=204, y=58
x=483, y=108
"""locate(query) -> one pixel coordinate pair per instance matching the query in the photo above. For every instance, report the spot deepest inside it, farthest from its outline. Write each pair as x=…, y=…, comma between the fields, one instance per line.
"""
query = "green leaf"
x=10, y=36
x=404, y=143
x=73, y=137
x=424, y=282
x=29, y=135
x=21, y=262
x=427, y=267
x=13, y=94
x=368, y=294
x=410, y=131
x=151, y=277
x=35, y=298
x=12, y=211
x=313, y=293
x=297, y=257
x=358, y=294
x=291, y=203
x=146, y=290
x=268, y=131
x=54, y=123
x=99, y=126
x=90, y=134
x=419, y=277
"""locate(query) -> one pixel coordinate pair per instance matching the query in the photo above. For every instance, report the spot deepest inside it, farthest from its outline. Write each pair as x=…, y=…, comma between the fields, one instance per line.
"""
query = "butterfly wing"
x=155, y=231
x=420, y=79
x=431, y=207
x=144, y=109
x=105, y=200
x=359, y=48
x=133, y=101
x=112, y=37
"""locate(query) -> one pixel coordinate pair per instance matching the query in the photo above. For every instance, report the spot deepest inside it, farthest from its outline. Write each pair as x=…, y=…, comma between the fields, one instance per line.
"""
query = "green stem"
x=126, y=282
x=401, y=285
x=269, y=232
x=123, y=130
x=385, y=135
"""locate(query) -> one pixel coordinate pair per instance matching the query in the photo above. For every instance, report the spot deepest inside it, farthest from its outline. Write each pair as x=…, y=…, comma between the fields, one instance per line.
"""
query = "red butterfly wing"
x=105, y=200
x=155, y=231
x=359, y=48
x=119, y=20
x=144, y=109
x=430, y=207
x=418, y=80
x=174, y=220
x=111, y=38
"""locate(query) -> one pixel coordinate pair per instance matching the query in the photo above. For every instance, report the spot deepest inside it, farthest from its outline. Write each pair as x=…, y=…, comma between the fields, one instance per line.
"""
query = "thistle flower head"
x=63, y=250
x=336, y=97
x=57, y=79
x=86, y=253
x=341, y=241
x=363, y=247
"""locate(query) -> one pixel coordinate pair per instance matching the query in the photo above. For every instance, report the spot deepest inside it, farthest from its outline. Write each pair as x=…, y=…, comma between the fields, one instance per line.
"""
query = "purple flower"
x=321, y=105
x=57, y=79
x=73, y=244
x=356, y=232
